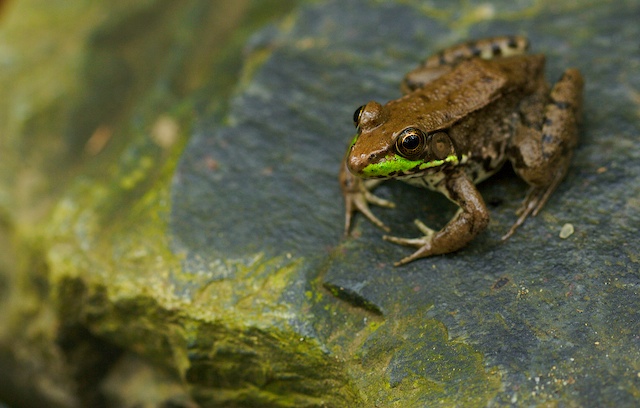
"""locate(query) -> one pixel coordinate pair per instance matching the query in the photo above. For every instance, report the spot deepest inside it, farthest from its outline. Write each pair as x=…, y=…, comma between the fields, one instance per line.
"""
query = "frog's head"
x=386, y=147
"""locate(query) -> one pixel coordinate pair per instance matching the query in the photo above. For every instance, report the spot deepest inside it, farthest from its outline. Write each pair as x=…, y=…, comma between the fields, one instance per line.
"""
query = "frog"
x=464, y=112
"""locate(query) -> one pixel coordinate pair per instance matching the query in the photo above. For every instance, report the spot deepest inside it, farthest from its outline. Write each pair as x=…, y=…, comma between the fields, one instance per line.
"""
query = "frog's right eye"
x=356, y=115
x=411, y=143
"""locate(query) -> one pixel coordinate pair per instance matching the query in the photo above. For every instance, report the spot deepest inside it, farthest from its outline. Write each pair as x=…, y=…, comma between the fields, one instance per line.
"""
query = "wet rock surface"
x=218, y=275
x=541, y=311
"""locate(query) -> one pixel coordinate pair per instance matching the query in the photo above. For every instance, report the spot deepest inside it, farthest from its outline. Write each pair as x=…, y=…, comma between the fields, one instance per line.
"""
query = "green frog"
x=465, y=111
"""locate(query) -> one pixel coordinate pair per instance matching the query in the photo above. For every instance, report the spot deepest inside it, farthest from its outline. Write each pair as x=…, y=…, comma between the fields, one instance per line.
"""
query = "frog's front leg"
x=357, y=197
x=541, y=157
x=469, y=221
x=442, y=62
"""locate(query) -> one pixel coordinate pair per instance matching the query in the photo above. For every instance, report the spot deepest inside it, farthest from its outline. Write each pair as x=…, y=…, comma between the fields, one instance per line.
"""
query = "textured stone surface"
x=227, y=282
x=532, y=320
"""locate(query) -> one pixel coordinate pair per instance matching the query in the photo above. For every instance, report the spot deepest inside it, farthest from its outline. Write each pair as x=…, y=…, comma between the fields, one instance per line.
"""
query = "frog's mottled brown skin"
x=473, y=106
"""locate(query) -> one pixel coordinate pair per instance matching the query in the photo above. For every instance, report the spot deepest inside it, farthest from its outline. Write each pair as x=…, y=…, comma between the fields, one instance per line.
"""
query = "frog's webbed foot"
x=359, y=201
x=357, y=197
x=532, y=204
x=469, y=221
x=423, y=243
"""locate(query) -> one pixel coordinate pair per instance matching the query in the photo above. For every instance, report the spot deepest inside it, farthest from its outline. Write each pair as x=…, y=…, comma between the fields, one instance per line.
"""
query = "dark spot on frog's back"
x=496, y=50
x=513, y=43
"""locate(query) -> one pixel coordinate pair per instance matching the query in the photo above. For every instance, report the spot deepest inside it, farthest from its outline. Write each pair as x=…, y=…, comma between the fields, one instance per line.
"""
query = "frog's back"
x=470, y=86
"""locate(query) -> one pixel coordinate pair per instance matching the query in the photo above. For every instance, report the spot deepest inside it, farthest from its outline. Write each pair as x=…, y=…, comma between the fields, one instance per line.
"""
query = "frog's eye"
x=356, y=115
x=411, y=143
x=440, y=145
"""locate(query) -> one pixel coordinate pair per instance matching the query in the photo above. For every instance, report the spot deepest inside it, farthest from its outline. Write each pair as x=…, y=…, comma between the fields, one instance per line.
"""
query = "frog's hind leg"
x=442, y=62
x=542, y=158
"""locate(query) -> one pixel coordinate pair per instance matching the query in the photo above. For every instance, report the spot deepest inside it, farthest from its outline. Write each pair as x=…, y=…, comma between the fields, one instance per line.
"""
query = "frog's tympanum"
x=464, y=113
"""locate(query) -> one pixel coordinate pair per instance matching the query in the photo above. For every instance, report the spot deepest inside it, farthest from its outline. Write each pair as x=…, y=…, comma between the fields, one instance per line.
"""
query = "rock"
x=225, y=281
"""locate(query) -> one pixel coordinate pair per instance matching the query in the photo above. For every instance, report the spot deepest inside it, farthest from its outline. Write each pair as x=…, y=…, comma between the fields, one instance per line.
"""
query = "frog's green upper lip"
x=390, y=166
x=380, y=165
x=395, y=165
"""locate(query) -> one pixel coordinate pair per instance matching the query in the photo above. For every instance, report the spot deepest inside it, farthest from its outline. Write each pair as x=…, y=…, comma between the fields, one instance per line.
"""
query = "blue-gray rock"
x=546, y=318
x=226, y=281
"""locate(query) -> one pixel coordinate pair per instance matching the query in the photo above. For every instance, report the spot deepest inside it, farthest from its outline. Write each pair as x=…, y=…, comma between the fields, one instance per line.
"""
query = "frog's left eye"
x=411, y=142
x=356, y=115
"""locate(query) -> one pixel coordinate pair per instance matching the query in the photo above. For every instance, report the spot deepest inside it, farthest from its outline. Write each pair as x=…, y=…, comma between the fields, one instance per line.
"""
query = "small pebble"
x=566, y=231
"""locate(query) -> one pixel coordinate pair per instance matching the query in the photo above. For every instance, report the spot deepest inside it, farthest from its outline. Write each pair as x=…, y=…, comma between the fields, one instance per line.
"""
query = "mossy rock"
x=216, y=271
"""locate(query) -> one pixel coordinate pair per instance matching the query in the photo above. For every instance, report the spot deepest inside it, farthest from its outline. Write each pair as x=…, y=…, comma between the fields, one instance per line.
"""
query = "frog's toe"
x=534, y=201
x=428, y=232
x=423, y=244
x=361, y=205
x=371, y=217
x=526, y=211
x=414, y=242
x=422, y=252
x=374, y=199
